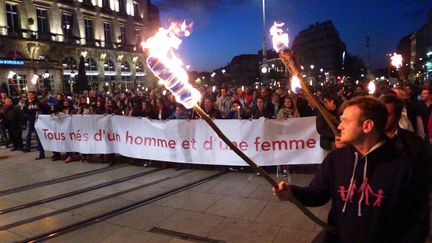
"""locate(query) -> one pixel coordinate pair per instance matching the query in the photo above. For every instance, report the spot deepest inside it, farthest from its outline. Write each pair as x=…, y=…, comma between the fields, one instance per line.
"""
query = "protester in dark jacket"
x=374, y=195
x=327, y=137
x=260, y=110
x=13, y=123
x=407, y=142
x=161, y=112
x=210, y=109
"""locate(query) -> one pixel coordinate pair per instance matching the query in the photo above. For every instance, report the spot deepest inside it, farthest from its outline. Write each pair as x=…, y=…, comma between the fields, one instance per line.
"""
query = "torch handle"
x=260, y=170
x=287, y=58
x=254, y=166
x=402, y=77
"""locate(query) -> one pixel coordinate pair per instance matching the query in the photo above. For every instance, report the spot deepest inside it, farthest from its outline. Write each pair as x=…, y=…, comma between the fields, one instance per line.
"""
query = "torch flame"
x=371, y=87
x=295, y=84
x=165, y=65
x=279, y=38
x=34, y=79
x=396, y=60
x=11, y=74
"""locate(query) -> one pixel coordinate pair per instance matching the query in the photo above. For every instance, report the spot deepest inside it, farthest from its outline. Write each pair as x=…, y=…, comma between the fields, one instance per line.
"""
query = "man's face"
x=236, y=106
x=30, y=96
x=8, y=102
x=260, y=103
x=392, y=119
x=224, y=92
x=329, y=104
x=208, y=104
x=351, y=126
x=425, y=95
x=3, y=96
x=409, y=91
x=239, y=91
x=264, y=93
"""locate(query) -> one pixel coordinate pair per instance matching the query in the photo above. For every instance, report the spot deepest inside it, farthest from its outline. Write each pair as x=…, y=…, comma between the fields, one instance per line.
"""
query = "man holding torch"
x=374, y=196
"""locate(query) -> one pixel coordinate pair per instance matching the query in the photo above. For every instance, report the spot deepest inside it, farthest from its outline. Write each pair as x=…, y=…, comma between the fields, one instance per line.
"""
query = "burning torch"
x=280, y=44
x=165, y=65
x=396, y=61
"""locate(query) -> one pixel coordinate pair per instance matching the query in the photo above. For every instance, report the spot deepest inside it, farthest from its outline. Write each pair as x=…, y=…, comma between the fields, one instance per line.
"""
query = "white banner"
x=265, y=141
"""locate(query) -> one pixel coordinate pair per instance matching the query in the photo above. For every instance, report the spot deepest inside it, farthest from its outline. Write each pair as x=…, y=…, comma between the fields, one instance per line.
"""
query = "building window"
x=122, y=6
x=67, y=24
x=107, y=34
x=21, y=82
x=139, y=68
x=43, y=24
x=88, y=27
x=69, y=63
x=12, y=18
x=90, y=65
x=46, y=84
x=136, y=9
x=109, y=65
x=123, y=34
x=125, y=67
x=106, y=4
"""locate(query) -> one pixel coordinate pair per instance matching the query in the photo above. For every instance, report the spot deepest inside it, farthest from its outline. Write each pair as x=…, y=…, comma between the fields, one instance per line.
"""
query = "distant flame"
x=11, y=74
x=34, y=79
x=165, y=65
x=279, y=38
x=371, y=87
x=295, y=84
x=396, y=60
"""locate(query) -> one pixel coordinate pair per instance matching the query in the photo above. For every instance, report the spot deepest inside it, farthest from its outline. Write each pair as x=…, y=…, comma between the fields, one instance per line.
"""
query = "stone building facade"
x=319, y=48
x=48, y=38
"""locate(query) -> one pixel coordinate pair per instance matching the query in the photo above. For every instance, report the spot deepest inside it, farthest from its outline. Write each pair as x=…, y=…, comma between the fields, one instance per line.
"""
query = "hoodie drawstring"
x=351, y=182
x=365, y=179
x=365, y=182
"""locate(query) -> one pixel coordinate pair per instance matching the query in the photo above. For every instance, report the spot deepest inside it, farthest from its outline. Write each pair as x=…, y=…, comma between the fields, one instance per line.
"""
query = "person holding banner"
x=374, y=195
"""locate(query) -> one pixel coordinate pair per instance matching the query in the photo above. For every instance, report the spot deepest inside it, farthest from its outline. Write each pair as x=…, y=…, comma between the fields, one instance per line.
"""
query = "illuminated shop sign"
x=11, y=62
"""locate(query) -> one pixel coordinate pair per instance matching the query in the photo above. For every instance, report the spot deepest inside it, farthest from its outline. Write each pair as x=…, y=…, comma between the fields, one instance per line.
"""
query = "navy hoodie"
x=374, y=197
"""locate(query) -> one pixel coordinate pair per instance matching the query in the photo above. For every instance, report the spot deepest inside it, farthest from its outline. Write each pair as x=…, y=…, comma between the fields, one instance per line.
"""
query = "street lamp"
x=264, y=33
x=46, y=74
x=264, y=68
x=71, y=81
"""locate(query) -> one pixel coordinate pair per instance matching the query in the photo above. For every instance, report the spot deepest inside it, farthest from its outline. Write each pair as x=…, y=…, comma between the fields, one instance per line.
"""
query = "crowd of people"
x=20, y=112
x=377, y=171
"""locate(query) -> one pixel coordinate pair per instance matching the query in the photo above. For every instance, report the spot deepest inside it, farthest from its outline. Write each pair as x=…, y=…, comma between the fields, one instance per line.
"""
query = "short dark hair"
x=371, y=109
x=329, y=96
x=426, y=88
x=398, y=103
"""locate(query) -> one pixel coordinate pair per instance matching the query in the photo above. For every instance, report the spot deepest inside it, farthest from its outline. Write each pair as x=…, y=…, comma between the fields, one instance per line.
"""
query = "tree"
x=81, y=83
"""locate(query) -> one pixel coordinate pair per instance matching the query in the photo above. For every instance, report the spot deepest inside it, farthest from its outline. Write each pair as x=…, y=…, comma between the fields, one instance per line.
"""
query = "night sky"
x=223, y=29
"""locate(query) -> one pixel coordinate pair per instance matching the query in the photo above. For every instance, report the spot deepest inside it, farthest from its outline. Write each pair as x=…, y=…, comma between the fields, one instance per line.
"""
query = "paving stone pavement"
x=236, y=207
